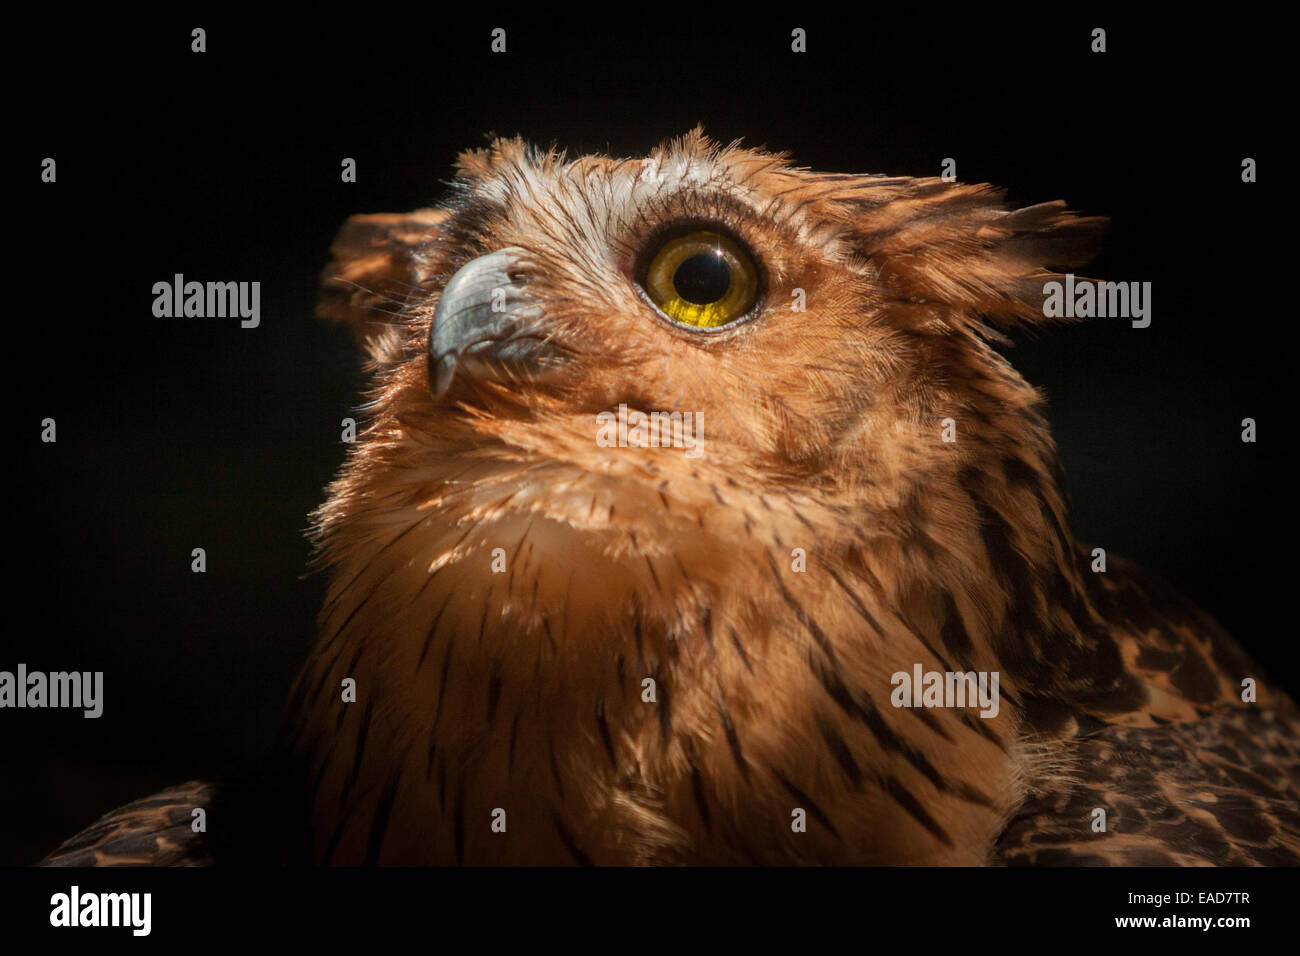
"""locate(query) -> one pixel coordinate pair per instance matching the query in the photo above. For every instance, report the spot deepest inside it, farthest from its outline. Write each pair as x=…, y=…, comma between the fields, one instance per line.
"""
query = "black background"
x=183, y=433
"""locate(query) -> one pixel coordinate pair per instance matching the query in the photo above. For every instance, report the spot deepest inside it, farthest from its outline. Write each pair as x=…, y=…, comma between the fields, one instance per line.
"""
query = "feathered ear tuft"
x=376, y=269
x=958, y=245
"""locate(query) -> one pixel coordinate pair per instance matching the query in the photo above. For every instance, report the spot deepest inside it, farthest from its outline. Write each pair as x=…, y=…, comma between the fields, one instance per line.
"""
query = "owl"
x=696, y=518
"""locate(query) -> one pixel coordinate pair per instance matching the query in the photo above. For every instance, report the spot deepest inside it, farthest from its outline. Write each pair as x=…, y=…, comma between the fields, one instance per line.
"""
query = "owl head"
x=651, y=376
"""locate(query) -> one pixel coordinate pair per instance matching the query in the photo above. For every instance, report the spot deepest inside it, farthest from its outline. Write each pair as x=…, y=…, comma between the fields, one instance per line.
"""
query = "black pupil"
x=702, y=279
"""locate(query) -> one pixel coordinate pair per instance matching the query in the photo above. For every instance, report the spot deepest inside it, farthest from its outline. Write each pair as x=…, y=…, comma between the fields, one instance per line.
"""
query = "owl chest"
x=679, y=767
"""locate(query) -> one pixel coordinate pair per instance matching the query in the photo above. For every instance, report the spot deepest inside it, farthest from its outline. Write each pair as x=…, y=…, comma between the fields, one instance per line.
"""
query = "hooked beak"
x=488, y=326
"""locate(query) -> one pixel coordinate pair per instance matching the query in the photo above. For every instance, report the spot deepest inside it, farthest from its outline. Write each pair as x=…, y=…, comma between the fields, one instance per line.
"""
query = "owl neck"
x=659, y=659
x=1008, y=577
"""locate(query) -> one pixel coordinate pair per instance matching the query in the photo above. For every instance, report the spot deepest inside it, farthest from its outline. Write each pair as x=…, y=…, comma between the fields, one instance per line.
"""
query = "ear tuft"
x=960, y=246
x=375, y=269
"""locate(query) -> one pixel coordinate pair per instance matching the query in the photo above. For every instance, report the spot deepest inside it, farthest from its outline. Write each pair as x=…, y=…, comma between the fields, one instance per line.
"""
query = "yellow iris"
x=702, y=279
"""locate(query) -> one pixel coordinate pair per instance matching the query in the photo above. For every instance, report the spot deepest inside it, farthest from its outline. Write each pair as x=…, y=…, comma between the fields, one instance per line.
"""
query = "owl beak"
x=487, y=326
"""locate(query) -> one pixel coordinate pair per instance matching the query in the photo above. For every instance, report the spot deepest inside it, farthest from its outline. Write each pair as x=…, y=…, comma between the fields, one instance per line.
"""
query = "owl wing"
x=1193, y=775
x=155, y=831
x=1222, y=791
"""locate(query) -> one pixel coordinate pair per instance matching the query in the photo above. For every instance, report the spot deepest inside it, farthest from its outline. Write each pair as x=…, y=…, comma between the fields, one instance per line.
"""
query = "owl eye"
x=702, y=279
